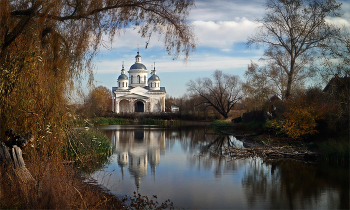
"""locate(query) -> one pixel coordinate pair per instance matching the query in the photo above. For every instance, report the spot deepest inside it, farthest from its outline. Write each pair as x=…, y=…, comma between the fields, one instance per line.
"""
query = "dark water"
x=185, y=166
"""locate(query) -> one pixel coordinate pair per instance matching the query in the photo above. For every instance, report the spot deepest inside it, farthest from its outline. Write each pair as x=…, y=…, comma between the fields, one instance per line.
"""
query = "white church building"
x=137, y=92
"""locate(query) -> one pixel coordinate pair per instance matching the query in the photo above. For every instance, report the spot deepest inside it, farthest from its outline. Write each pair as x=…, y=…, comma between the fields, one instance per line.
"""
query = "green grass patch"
x=219, y=125
x=222, y=123
x=247, y=128
x=110, y=121
x=149, y=121
x=89, y=149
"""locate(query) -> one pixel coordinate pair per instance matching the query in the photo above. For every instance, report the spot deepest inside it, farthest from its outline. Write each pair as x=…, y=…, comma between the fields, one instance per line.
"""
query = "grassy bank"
x=102, y=121
x=163, y=122
x=58, y=184
x=121, y=121
x=89, y=149
x=200, y=116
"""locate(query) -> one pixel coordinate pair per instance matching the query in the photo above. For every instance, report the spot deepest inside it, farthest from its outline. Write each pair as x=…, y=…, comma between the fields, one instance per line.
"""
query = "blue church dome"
x=154, y=77
x=122, y=76
x=138, y=66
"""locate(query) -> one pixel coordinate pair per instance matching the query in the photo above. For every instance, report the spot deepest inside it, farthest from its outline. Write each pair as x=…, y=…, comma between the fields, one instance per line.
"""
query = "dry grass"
x=57, y=187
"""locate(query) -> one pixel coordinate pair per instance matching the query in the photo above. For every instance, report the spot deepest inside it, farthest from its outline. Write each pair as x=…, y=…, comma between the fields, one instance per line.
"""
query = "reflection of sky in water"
x=185, y=166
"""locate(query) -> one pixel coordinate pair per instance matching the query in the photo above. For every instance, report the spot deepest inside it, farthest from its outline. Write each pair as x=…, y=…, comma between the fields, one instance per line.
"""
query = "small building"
x=136, y=93
x=337, y=85
x=175, y=109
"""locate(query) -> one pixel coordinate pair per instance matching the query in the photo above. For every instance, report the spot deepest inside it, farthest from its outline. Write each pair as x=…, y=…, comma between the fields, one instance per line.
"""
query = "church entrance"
x=139, y=106
x=124, y=106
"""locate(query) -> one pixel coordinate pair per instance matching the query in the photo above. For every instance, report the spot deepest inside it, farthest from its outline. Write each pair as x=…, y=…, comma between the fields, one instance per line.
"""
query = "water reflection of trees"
x=210, y=155
x=281, y=184
x=295, y=185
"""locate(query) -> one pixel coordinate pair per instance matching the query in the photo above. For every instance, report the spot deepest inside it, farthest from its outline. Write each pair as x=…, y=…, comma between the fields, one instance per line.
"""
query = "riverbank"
x=265, y=150
x=142, y=121
x=272, y=147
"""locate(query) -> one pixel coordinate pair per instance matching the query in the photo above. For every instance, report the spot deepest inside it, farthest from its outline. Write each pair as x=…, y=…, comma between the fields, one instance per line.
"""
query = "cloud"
x=223, y=34
x=339, y=22
x=227, y=10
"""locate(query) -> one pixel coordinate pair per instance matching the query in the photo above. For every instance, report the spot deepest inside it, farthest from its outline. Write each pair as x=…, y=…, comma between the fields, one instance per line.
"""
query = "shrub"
x=302, y=115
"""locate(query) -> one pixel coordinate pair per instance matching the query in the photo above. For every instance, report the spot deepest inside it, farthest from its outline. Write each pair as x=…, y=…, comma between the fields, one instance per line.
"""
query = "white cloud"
x=339, y=22
x=130, y=37
x=223, y=34
x=227, y=10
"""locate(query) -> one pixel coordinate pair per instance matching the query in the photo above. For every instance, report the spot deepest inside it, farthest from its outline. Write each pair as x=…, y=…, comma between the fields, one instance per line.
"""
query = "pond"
x=185, y=165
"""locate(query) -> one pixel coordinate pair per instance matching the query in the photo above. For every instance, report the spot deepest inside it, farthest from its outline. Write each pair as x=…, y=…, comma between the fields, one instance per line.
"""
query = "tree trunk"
x=11, y=155
x=290, y=77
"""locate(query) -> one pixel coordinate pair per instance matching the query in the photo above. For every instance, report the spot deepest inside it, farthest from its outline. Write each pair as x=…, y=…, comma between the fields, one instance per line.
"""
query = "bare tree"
x=336, y=57
x=267, y=80
x=221, y=92
x=258, y=86
x=292, y=30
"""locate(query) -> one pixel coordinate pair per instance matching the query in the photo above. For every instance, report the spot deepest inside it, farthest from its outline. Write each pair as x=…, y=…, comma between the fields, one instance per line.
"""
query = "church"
x=137, y=92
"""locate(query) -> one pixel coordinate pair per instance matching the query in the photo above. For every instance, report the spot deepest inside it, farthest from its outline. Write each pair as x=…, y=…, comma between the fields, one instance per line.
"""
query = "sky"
x=221, y=28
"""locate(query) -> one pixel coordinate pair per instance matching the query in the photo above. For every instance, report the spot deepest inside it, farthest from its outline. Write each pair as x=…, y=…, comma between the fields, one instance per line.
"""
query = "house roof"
x=337, y=81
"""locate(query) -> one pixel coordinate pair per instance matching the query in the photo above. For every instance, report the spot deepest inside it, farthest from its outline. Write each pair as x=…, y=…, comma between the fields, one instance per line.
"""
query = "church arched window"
x=132, y=78
x=158, y=84
x=151, y=84
x=144, y=79
x=123, y=84
x=138, y=78
x=126, y=84
x=119, y=84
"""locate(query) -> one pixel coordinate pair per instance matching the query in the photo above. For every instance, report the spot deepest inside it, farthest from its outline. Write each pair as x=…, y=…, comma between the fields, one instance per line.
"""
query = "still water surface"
x=185, y=166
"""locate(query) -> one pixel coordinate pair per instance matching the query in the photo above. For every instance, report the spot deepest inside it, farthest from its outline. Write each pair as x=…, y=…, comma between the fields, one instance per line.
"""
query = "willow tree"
x=46, y=45
x=221, y=92
x=292, y=31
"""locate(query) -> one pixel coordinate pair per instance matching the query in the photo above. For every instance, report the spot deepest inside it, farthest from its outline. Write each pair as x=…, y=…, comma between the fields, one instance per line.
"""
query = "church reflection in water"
x=136, y=149
x=194, y=172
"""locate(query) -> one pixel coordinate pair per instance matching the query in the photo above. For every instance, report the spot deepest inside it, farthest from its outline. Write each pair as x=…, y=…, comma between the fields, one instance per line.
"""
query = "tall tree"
x=46, y=45
x=221, y=92
x=292, y=30
x=258, y=86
